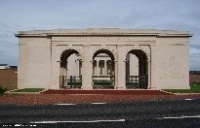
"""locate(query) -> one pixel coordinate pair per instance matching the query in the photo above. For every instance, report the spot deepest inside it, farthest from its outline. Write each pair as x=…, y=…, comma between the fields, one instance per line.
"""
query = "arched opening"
x=103, y=70
x=70, y=69
x=136, y=69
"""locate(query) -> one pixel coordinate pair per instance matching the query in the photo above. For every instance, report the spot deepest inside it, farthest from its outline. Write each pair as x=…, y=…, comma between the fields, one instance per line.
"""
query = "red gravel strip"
x=108, y=92
x=48, y=99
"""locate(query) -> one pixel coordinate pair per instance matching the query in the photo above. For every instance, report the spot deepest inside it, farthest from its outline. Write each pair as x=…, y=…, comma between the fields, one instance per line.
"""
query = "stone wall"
x=34, y=63
x=173, y=63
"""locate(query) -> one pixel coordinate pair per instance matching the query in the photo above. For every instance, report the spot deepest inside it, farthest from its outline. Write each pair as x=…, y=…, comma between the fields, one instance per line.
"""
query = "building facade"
x=155, y=59
x=4, y=66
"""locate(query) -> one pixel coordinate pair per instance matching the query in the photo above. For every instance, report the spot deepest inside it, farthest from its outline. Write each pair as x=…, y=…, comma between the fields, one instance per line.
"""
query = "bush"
x=132, y=85
x=75, y=83
x=2, y=90
x=102, y=82
x=97, y=84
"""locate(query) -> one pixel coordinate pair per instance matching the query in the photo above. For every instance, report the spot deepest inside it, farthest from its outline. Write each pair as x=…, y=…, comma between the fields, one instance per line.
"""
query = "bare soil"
x=194, y=78
x=8, y=79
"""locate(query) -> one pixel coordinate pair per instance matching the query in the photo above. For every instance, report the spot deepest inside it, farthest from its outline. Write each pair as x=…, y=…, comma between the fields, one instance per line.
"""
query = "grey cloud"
x=195, y=46
x=145, y=14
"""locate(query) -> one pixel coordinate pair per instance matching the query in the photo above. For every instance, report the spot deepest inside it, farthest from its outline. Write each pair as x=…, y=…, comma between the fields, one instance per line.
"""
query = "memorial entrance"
x=136, y=70
x=70, y=69
x=103, y=70
x=104, y=58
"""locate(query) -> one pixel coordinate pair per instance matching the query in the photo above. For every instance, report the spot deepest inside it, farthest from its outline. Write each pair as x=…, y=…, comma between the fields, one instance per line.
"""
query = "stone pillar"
x=128, y=66
x=153, y=68
x=140, y=66
x=121, y=65
x=78, y=66
x=93, y=68
x=97, y=68
x=62, y=77
x=87, y=69
x=66, y=73
x=116, y=74
x=105, y=67
x=55, y=62
x=149, y=74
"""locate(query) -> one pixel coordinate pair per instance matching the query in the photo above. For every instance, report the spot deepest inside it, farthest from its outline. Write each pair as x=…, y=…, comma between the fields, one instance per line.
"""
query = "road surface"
x=155, y=113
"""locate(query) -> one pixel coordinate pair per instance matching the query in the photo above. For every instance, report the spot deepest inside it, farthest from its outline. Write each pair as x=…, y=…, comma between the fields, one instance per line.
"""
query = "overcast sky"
x=19, y=15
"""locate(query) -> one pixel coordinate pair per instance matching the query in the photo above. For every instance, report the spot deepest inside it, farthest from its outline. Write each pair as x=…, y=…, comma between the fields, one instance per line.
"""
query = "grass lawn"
x=195, y=88
x=29, y=90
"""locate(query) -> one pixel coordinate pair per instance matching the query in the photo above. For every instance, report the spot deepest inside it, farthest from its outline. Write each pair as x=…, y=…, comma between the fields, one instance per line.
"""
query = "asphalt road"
x=155, y=113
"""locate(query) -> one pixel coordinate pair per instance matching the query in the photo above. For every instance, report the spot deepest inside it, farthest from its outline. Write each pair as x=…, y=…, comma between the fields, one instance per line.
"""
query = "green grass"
x=29, y=90
x=195, y=88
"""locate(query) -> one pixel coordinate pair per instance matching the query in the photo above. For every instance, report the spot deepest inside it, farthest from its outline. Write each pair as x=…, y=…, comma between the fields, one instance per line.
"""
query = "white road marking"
x=25, y=125
x=86, y=121
x=99, y=103
x=181, y=117
x=65, y=104
x=188, y=99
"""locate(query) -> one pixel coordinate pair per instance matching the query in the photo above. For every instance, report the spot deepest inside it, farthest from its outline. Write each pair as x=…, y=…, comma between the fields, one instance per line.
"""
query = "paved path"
x=155, y=113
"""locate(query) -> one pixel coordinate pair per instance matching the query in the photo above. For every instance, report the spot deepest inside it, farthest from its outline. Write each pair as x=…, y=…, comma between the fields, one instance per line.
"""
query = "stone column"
x=116, y=74
x=87, y=69
x=93, y=68
x=61, y=78
x=55, y=62
x=97, y=68
x=121, y=65
x=65, y=74
x=149, y=74
x=78, y=66
x=127, y=66
x=105, y=67
x=153, y=68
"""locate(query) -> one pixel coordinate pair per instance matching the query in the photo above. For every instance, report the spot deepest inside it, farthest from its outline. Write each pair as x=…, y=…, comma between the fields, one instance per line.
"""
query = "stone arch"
x=108, y=68
x=146, y=50
x=64, y=67
x=104, y=50
x=65, y=54
x=141, y=79
x=79, y=50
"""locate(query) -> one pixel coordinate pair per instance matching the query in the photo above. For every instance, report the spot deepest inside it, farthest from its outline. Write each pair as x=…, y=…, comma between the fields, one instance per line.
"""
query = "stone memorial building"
x=126, y=58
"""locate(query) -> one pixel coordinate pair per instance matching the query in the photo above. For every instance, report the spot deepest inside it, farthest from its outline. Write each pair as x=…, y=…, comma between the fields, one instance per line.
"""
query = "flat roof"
x=103, y=32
